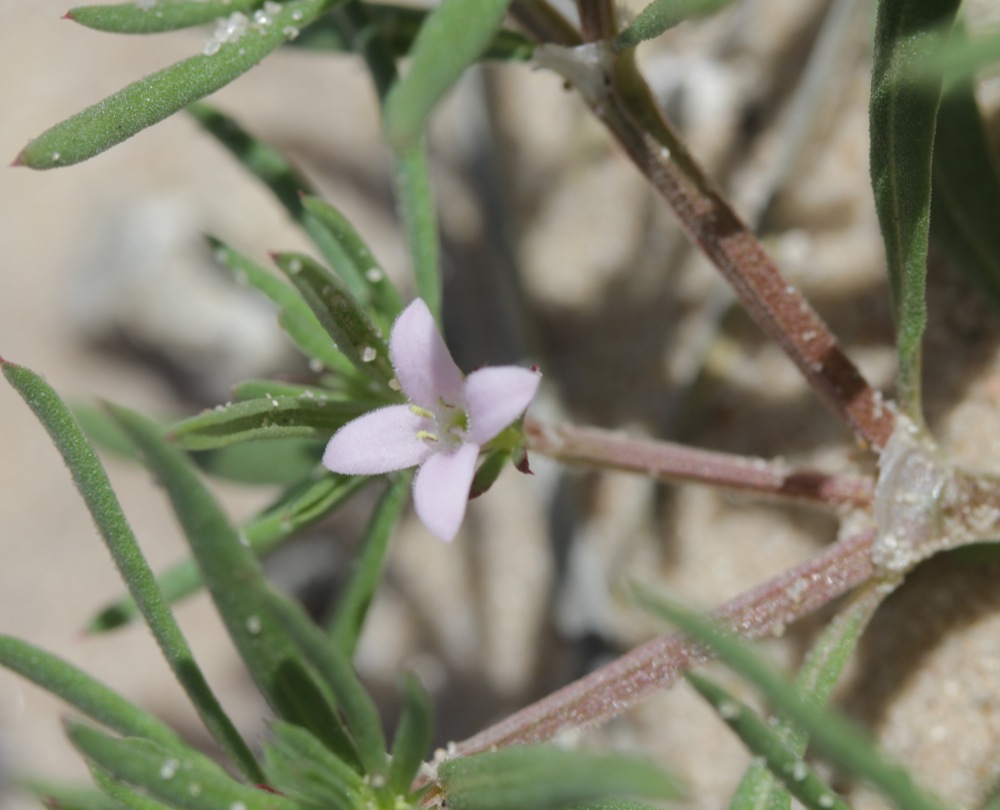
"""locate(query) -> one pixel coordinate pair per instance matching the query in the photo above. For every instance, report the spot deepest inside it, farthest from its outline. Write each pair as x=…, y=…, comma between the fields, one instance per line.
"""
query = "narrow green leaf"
x=398, y=27
x=415, y=199
x=161, y=94
x=662, y=15
x=814, y=683
x=276, y=418
x=356, y=258
x=237, y=586
x=294, y=315
x=66, y=797
x=360, y=714
x=902, y=116
x=300, y=767
x=103, y=432
x=95, y=488
x=276, y=461
x=833, y=735
x=799, y=778
x=539, y=777
x=367, y=568
x=961, y=58
x=192, y=782
x=123, y=795
x=413, y=736
x=157, y=16
x=488, y=472
x=965, y=204
x=304, y=506
x=453, y=36
x=82, y=692
x=340, y=314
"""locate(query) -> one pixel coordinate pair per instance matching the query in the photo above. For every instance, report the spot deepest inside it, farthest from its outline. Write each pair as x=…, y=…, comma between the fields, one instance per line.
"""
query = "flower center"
x=448, y=425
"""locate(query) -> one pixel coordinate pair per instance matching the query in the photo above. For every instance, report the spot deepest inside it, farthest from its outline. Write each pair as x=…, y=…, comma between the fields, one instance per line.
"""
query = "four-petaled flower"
x=448, y=419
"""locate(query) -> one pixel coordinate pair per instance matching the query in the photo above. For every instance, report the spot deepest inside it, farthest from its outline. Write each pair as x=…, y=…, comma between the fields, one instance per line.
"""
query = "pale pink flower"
x=448, y=419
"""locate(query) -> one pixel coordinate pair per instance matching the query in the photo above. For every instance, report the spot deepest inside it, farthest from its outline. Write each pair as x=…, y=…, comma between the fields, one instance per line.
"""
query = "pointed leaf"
x=662, y=15
x=344, y=319
x=902, y=116
x=276, y=418
x=150, y=100
x=123, y=795
x=160, y=15
x=415, y=200
x=95, y=488
x=833, y=735
x=66, y=797
x=237, y=586
x=294, y=315
x=539, y=777
x=367, y=567
x=304, y=506
x=354, y=257
x=192, y=782
x=453, y=36
x=360, y=714
x=398, y=27
x=413, y=736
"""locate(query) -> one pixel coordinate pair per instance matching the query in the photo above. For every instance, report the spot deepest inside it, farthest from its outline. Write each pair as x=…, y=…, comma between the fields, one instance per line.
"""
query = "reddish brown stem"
x=666, y=461
x=639, y=673
x=597, y=19
x=620, y=98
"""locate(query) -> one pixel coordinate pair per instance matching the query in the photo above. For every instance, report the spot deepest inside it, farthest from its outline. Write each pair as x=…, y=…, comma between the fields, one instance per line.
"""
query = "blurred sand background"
x=106, y=291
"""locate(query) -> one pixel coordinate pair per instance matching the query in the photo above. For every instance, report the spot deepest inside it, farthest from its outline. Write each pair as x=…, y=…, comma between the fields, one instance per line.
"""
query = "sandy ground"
x=613, y=302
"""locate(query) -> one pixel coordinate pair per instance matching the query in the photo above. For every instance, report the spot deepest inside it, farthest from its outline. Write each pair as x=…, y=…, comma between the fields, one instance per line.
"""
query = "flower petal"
x=380, y=441
x=423, y=364
x=441, y=490
x=495, y=397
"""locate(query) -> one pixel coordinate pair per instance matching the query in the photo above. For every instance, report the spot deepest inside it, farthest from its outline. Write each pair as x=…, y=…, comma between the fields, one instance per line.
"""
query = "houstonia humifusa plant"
x=377, y=406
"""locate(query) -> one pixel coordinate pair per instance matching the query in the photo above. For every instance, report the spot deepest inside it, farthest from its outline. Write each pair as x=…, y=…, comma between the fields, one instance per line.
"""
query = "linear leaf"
x=366, y=570
x=339, y=312
x=965, y=205
x=413, y=736
x=398, y=27
x=453, y=36
x=814, y=683
x=160, y=15
x=237, y=586
x=360, y=714
x=192, y=782
x=123, y=795
x=662, y=15
x=256, y=419
x=294, y=315
x=832, y=735
x=304, y=506
x=67, y=797
x=539, y=777
x=902, y=116
x=161, y=94
x=95, y=488
x=765, y=742
x=415, y=200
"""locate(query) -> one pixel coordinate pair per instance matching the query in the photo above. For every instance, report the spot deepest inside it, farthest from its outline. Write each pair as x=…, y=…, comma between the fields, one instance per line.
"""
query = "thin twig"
x=615, y=688
x=597, y=19
x=667, y=461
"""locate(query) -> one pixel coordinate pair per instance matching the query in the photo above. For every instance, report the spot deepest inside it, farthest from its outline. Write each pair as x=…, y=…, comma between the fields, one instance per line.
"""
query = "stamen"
x=426, y=436
x=426, y=414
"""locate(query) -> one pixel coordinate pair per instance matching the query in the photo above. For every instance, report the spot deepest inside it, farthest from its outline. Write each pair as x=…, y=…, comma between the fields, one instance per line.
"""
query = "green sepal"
x=344, y=319
x=256, y=419
x=192, y=782
x=236, y=583
x=163, y=15
x=161, y=94
x=413, y=736
x=303, y=506
x=540, y=777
